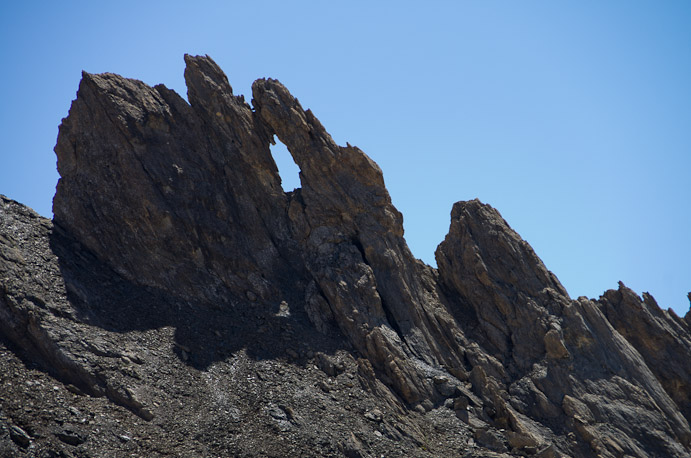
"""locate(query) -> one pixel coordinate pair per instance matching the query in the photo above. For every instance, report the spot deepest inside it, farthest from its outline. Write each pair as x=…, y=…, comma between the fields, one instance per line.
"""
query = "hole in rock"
x=287, y=168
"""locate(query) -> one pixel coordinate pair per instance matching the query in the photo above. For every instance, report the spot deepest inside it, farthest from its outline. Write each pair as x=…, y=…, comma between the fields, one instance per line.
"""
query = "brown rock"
x=661, y=338
x=177, y=275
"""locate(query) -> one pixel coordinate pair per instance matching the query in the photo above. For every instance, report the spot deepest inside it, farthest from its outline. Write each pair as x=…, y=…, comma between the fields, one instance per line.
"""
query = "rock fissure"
x=180, y=281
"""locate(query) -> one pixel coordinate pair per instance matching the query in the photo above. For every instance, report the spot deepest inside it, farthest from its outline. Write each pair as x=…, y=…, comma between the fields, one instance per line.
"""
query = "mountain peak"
x=179, y=284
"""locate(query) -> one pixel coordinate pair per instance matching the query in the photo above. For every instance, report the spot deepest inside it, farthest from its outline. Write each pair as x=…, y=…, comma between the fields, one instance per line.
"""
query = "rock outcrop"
x=181, y=303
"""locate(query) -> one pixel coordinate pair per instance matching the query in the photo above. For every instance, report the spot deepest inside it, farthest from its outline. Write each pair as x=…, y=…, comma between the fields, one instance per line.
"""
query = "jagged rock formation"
x=180, y=303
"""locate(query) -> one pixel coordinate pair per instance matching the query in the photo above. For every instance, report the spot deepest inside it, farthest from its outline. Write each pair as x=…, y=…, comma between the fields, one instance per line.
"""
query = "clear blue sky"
x=572, y=118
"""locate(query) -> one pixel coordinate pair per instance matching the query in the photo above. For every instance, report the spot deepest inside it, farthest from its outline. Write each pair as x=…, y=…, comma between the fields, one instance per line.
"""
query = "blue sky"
x=572, y=118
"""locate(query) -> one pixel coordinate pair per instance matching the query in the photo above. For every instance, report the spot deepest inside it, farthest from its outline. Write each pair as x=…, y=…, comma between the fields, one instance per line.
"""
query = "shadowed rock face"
x=181, y=292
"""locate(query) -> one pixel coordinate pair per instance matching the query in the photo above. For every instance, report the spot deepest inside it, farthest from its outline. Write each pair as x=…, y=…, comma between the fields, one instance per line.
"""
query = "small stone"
x=548, y=452
x=146, y=414
x=521, y=441
x=74, y=390
x=283, y=310
x=132, y=357
x=70, y=437
x=374, y=415
x=353, y=448
x=554, y=345
x=460, y=403
x=427, y=405
x=490, y=439
x=19, y=436
x=288, y=410
x=439, y=379
x=277, y=413
x=447, y=389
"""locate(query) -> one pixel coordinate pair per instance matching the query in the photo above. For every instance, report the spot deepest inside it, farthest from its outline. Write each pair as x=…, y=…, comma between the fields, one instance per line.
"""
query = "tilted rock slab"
x=185, y=201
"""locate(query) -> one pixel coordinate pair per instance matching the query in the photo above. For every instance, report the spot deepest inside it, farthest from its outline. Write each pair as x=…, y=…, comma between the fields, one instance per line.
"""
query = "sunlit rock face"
x=181, y=303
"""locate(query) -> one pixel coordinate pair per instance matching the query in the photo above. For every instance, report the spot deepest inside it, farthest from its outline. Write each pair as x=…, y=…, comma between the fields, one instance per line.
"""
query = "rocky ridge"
x=182, y=304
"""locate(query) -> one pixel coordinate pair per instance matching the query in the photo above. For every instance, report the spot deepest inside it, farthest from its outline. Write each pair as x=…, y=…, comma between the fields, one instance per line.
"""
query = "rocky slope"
x=181, y=304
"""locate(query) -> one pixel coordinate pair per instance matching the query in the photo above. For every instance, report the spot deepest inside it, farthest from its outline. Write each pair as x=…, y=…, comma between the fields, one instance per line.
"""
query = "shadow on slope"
x=204, y=332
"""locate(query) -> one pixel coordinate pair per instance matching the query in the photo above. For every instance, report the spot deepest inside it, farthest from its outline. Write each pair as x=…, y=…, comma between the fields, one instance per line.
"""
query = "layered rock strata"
x=170, y=221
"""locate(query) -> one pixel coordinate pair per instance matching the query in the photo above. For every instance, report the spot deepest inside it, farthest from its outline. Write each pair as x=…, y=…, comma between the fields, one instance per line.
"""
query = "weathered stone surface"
x=181, y=303
x=351, y=237
x=512, y=296
x=140, y=168
x=661, y=337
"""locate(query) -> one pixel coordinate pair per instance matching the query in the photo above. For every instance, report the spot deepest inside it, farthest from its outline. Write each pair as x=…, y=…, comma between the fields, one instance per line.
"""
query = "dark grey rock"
x=180, y=303
x=19, y=436
x=70, y=436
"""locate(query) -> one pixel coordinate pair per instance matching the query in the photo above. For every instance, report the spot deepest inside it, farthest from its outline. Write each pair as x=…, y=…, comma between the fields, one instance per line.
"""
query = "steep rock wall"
x=171, y=214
